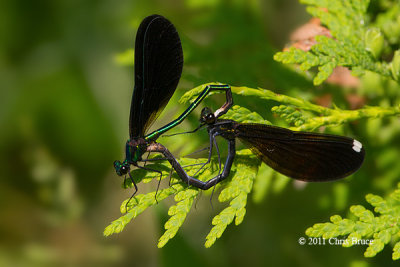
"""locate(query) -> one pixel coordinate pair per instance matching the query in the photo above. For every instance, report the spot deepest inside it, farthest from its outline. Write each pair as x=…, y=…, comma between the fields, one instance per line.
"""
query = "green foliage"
x=353, y=44
x=243, y=115
x=389, y=22
x=136, y=206
x=290, y=114
x=380, y=227
x=374, y=42
x=236, y=192
x=178, y=214
x=395, y=65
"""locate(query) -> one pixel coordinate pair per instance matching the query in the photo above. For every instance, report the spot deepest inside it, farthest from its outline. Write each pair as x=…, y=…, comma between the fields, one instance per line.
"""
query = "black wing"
x=309, y=157
x=158, y=68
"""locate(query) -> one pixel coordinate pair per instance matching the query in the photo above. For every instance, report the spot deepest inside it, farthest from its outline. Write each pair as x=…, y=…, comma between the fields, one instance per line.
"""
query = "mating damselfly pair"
x=310, y=157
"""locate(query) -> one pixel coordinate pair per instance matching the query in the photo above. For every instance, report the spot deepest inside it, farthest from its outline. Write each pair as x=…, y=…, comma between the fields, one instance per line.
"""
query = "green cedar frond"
x=389, y=22
x=136, y=206
x=236, y=192
x=382, y=226
x=354, y=44
x=290, y=114
x=243, y=115
x=184, y=197
x=178, y=214
x=262, y=183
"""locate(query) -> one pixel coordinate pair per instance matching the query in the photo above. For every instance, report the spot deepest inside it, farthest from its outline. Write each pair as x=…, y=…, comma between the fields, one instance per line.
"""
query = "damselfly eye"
x=120, y=168
x=124, y=170
x=210, y=118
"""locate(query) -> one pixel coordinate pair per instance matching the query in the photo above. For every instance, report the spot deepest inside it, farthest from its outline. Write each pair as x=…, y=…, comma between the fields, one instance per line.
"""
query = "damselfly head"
x=207, y=116
x=120, y=168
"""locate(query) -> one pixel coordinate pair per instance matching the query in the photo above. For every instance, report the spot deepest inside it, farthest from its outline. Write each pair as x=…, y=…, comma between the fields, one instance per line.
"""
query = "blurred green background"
x=64, y=107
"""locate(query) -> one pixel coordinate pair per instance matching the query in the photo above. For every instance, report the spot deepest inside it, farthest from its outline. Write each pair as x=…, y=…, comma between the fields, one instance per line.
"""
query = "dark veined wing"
x=309, y=157
x=158, y=68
